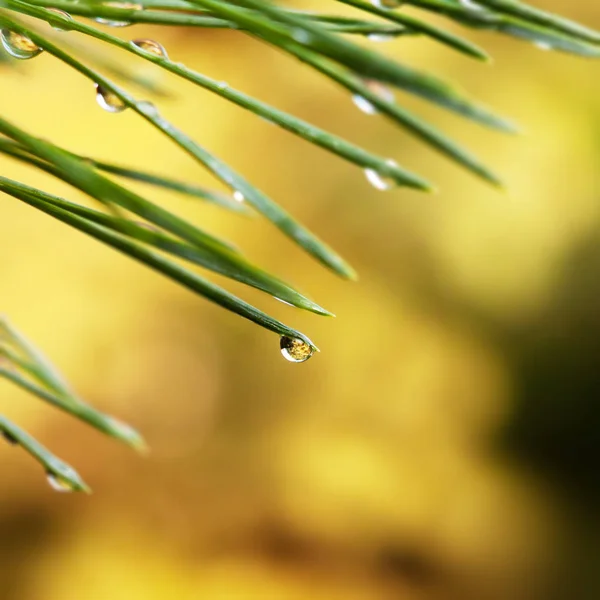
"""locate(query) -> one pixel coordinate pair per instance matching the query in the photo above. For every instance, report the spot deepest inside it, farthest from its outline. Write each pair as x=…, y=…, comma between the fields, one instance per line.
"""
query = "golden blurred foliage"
x=444, y=443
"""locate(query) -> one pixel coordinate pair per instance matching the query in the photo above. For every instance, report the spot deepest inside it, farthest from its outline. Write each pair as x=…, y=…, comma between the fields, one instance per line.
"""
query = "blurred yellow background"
x=445, y=442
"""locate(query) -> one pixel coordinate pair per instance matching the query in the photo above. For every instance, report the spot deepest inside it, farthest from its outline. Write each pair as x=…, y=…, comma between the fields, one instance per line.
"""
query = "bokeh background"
x=445, y=442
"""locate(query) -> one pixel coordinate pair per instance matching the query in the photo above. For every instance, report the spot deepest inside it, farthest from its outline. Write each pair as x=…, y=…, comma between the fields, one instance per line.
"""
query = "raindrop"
x=381, y=37
x=238, y=196
x=387, y=3
x=60, y=13
x=380, y=90
x=294, y=349
x=110, y=22
x=380, y=181
x=109, y=101
x=18, y=45
x=59, y=484
x=471, y=5
x=151, y=47
x=364, y=105
x=147, y=108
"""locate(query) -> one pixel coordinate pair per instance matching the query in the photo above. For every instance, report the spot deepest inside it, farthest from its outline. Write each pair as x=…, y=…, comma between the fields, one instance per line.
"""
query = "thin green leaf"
x=300, y=32
x=260, y=201
x=172, y=270
x=445, y=37
x=230, y=265
x=54, y=466
x=307, y=131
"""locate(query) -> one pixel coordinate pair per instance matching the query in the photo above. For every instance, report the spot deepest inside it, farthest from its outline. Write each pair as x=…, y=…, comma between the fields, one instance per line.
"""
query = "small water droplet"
x=472, y=5
x=58, y=484
x=63, y=14
x=381, y=181
x=381, y=37
x=151, y=47
x=364, y=105
x=388, y=4
x=147, y=108
x=302, y=36
x=108, y=101
x=380, y=90
x=238, y=196
x=110, y=22
x=18, y=45
x=543, y=45
x=294, y=349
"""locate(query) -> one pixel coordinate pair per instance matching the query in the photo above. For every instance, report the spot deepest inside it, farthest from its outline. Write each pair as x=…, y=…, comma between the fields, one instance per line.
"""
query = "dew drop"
x=61, y=13
x=151, y=47
x=18, y=45
x=379, y=180
x=381, y=37
x=238, y=196
x=388, y=4
x=471, y=5
x=380, y=90
x=295, y=350
x=58, y=483
x=108, y=101
x=110, y=22
x=364, y=105
x=147, y=108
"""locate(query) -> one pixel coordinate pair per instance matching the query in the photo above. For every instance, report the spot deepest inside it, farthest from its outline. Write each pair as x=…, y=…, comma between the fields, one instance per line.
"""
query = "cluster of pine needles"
x=340, y=48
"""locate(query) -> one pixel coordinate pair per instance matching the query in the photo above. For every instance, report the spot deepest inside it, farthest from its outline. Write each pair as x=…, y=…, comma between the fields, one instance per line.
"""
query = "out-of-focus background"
x=445, y=442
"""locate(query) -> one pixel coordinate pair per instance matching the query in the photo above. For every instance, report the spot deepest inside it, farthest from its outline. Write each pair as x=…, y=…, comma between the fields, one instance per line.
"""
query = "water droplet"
x=388, y=4
x=59, y=484
x=302, y=36
x=147, y=108
x=364, y=105
x=384, y=92
x=294, y=349
x=381, y=37
x=543, y=45
x=63, y=14
x=151, y=47
x=110, y=22
x=238, y=196
x=108, y=101
x=381, y=181
x=471, y=5
x=18, y=45
x=9, y=437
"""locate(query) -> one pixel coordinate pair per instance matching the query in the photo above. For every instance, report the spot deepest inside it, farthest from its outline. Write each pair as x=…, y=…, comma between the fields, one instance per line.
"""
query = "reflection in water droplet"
x=294, y=349
x=151, y=47
x=111, y=23
x=18, y=45
x=543, y=45
x=238, y=196
x=58, y=484
x=63, y=14
x=381, y=181
x=109, y=101
x=387, y=3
